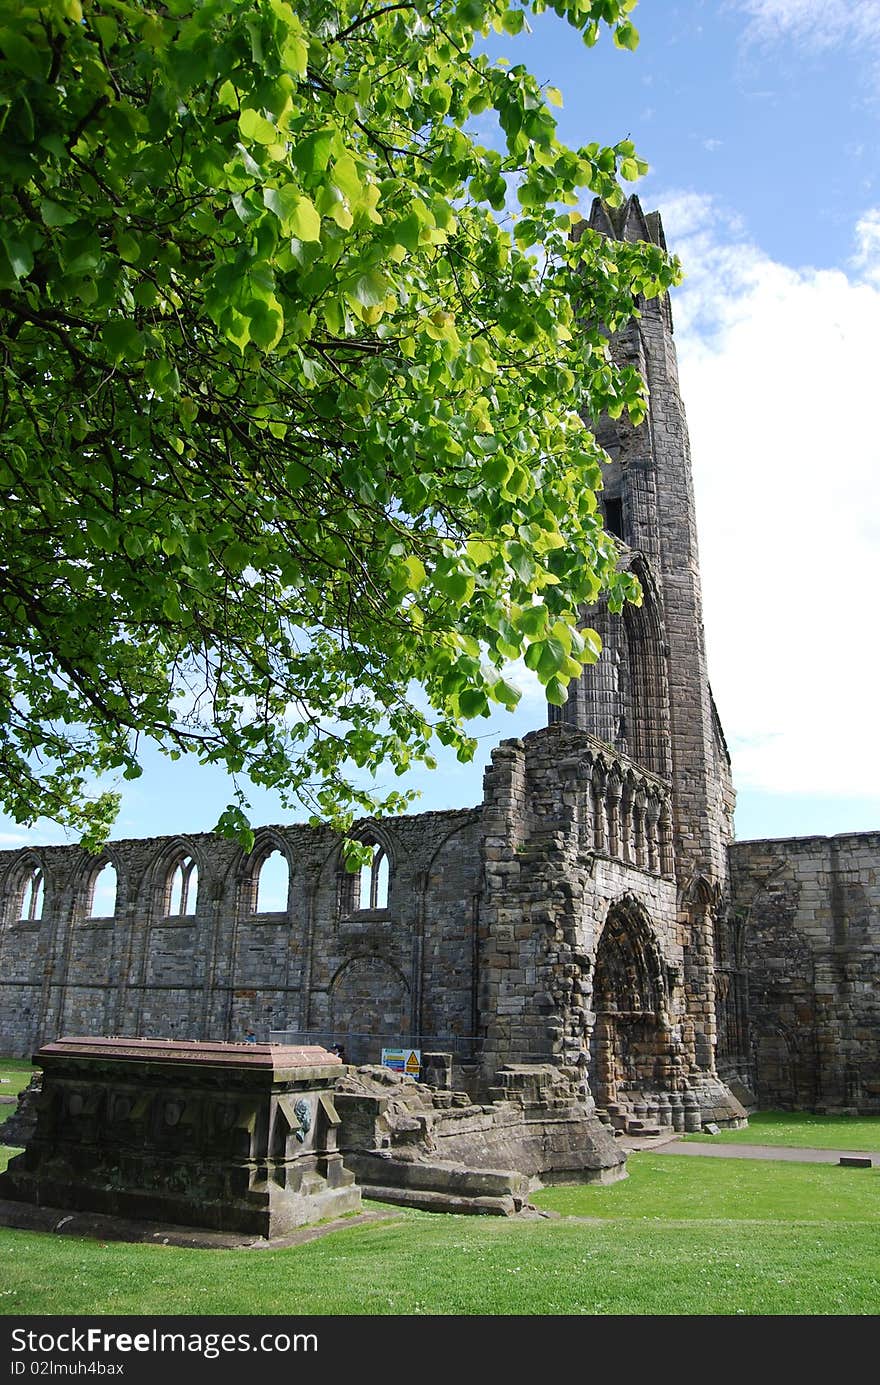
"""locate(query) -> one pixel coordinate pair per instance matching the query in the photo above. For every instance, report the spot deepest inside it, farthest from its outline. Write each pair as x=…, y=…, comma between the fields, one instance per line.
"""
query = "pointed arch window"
x=32, y=895
x=101, y=893
x=367, y=889
x=372, y=884
x=182, y=888
x=271, y=883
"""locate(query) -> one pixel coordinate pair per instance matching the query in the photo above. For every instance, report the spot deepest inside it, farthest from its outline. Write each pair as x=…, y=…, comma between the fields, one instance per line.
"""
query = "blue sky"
x=759, y=119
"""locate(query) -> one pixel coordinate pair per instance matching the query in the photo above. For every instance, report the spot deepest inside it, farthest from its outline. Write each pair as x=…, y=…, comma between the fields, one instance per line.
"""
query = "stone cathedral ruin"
x=590, y=928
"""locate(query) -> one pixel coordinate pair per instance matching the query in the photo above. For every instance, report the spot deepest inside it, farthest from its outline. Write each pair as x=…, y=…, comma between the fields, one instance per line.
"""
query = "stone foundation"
x=435, y=1149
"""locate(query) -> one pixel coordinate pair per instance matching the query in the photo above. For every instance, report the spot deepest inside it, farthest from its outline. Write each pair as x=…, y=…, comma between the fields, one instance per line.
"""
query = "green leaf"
x=532, y=621
x=257, y=128
x=456, y=585
x=20, y=256
x=266, y=324
x=369, y=289
x=406, y=232
x=123, y=340
x=473, y=703
x=506, y=694
x=626, y=36
x=416, y=574
x=347, y=179
x=479, y=552
x=54, y=214
x=129, y=248
x=295, y=211
x=312, y=154
x=23, y=55
x=296, y=53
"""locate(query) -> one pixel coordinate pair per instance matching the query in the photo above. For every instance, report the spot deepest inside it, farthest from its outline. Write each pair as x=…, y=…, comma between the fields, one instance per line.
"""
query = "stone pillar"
x=613, y=792
x=605, y=1079
x=667, y=855
x=600, y=818
x=640, y=849
x=587, y=816
x=700, y=986
x=652, y=817
x=627, y=823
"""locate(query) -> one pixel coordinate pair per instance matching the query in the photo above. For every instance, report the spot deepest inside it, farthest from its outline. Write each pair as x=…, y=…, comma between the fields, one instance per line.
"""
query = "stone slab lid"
x=191, y=1052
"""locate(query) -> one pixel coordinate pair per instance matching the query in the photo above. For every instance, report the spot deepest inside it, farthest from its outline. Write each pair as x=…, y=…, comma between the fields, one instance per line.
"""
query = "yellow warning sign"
x=407, y=1060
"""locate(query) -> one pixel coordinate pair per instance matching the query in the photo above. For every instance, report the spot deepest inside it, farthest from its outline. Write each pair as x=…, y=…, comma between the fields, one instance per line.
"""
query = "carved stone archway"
x=630, y=1050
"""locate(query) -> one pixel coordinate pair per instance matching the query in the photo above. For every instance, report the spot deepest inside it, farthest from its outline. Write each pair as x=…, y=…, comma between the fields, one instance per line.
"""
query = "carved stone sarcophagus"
x=233, y=1137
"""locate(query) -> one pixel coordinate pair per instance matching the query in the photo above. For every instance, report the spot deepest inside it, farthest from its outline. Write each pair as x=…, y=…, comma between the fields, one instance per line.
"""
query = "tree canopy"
x=293, y=452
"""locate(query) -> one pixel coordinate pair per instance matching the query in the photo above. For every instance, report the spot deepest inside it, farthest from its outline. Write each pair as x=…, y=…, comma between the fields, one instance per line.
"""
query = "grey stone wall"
x=802, y=951
x=388, y=974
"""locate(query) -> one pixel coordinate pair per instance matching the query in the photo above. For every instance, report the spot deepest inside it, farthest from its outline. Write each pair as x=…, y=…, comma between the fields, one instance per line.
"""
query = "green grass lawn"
x=678, y=1236
x=800, y=1129
x=19, y=1072
x=663, y=1188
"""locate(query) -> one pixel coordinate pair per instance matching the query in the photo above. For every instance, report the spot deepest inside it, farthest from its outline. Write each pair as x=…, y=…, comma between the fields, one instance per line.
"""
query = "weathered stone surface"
x=399, y=1134
x=233, y=1137
x=801, y=956
x=19, y=1128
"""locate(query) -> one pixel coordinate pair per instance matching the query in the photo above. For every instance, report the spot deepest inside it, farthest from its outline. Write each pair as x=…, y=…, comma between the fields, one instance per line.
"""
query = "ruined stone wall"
x=320, y=964
x=556, y=861
x=583, y=953
x=804, y=943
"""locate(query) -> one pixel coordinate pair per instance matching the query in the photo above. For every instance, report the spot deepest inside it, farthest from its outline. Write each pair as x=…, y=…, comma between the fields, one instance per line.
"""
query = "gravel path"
x=783, y=1152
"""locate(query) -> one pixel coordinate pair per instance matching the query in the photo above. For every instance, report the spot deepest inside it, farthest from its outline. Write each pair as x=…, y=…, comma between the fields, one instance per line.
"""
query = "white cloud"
x=778, y=372
x=867, y=256
x=817, y=23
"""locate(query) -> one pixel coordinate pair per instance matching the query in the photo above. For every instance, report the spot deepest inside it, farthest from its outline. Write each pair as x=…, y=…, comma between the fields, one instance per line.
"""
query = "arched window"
x=372, y=887
x=32, y=894
x=182, y=888
x=272, y=884
x=101, y=895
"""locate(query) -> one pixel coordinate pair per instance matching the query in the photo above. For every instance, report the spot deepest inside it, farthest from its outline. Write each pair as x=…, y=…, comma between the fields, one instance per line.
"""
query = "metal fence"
x=360, y=1048
x=367, y=1048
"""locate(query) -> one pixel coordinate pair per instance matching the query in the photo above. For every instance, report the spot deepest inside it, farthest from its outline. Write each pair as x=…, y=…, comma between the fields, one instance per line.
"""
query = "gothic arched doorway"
x=629, y=1050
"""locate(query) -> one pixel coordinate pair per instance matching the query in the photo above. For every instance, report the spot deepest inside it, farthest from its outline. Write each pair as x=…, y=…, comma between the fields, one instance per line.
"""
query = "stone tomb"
x=232, y=1137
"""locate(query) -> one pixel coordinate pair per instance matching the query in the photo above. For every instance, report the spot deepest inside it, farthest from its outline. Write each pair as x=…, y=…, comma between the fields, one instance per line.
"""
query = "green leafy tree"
x=293, y=451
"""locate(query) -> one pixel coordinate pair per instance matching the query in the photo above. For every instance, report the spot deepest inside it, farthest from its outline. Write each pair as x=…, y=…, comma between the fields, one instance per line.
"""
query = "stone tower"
x=620, y=812
x=649, y=695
